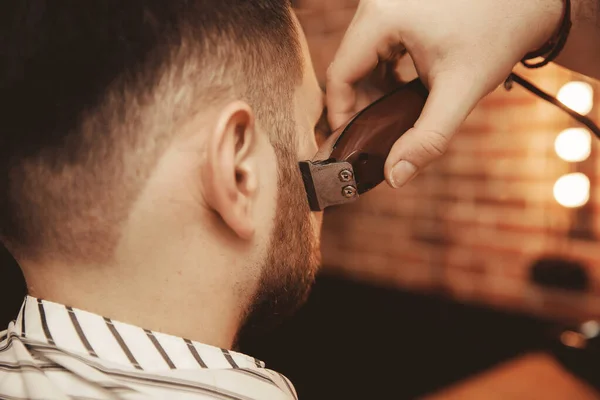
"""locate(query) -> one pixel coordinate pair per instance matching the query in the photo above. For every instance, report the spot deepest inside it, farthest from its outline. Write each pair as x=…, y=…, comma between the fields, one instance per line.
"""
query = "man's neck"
x=181, y=298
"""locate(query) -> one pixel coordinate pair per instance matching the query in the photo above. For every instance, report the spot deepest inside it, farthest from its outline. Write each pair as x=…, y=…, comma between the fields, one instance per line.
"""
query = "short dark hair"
x=93, y=90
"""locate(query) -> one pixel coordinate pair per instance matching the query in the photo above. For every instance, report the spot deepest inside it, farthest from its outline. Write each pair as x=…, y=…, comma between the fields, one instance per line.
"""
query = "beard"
x=293, y=255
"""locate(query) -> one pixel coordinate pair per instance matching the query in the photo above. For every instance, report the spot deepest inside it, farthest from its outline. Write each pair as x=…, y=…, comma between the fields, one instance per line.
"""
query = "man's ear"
x=230, y=174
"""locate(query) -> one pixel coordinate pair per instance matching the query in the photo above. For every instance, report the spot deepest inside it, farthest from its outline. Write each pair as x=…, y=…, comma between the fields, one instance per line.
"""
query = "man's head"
x=145, y=132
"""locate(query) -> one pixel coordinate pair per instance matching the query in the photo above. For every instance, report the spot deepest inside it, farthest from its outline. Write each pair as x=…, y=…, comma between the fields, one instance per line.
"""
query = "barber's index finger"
x=357, y=56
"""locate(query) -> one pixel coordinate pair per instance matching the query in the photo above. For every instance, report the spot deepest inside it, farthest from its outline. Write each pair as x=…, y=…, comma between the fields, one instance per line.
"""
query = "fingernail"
x=402, y=173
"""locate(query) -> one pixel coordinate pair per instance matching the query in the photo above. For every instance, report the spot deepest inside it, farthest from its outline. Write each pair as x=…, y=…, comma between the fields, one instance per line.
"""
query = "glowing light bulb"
x=578, y=96
x=572, y=190
x=574, y=144
x=590, y=329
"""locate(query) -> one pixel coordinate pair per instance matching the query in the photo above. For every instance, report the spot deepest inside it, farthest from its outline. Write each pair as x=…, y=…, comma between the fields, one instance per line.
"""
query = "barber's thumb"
x=411, y=153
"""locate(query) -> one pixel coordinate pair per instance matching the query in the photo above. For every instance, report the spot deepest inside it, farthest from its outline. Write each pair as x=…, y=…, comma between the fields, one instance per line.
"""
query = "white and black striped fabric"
x=52, y=351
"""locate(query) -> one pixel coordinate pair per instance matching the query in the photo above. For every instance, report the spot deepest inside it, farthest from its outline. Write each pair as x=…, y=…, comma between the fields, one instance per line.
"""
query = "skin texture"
x=220, y=237
x=461, y=49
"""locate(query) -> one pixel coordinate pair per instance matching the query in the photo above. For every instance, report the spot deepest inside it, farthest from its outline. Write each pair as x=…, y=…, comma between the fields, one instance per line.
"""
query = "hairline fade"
x=101, y=115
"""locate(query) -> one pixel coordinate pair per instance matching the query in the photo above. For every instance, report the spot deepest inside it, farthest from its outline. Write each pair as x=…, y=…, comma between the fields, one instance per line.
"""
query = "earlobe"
x=230, y=175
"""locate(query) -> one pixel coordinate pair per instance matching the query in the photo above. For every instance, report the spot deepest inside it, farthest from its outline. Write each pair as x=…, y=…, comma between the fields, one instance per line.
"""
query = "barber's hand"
x=462, y=50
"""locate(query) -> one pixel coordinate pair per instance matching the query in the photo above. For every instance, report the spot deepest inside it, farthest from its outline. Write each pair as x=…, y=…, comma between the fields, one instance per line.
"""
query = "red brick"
x=473, y=223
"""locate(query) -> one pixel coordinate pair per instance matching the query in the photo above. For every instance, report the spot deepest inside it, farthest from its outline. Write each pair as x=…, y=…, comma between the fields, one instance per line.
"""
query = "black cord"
x=552, y=100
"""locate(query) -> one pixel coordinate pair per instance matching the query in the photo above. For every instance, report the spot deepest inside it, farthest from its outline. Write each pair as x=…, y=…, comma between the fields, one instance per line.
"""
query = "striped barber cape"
x=52, y=351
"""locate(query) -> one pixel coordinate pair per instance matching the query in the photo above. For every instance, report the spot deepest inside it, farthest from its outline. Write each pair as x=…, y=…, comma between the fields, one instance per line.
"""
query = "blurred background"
x=479, y=280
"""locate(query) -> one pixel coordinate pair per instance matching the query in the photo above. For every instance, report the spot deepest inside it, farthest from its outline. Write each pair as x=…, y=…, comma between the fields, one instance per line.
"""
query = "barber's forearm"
x=582, y=52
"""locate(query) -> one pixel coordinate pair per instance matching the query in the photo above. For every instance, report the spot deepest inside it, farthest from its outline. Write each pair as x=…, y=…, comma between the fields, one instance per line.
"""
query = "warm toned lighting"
x=578, y=96
x=590, y=329
x=574, y=144
x=572, y=190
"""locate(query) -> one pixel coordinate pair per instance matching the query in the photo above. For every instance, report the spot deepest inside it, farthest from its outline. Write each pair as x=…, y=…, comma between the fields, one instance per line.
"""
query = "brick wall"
x=472, y=224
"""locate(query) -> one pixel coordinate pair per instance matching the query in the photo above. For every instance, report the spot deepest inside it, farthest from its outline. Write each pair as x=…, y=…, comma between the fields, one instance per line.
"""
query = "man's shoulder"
x=245, y=383
x=51, y=373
